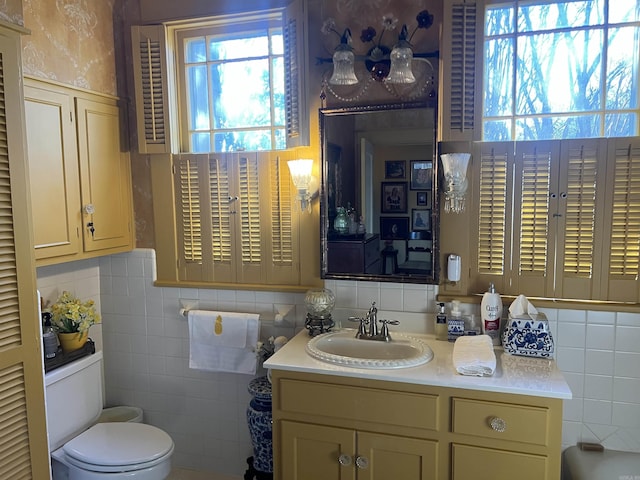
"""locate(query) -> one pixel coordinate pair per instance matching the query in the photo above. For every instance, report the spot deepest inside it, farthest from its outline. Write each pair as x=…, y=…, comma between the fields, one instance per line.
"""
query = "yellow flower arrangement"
x=70, y=315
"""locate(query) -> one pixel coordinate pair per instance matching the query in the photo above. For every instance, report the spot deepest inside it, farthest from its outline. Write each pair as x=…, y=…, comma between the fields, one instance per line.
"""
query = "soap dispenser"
x=491, y=312
x=441, y=323
x=455, y=322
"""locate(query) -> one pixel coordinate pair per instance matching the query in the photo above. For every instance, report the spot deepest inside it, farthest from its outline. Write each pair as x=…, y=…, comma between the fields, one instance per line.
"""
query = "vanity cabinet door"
x=315, y=452
x=392, y=457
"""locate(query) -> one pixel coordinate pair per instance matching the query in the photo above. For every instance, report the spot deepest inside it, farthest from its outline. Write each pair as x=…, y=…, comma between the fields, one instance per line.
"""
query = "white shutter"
x=296, y=74
x=151, y=88
x=459, y=57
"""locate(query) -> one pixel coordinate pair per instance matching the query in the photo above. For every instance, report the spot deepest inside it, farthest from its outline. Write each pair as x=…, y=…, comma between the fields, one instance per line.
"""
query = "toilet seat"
x=118, y=447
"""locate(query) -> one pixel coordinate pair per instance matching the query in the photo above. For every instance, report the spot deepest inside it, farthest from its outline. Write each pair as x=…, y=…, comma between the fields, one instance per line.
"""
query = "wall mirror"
x=379, y=204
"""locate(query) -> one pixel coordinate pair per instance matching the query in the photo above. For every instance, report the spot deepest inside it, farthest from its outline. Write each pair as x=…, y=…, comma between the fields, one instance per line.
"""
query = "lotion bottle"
x=491, y=314
x=441, y=323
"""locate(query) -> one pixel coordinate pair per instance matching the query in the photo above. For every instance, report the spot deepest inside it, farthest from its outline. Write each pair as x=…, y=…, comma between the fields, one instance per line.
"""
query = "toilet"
x=87, y=444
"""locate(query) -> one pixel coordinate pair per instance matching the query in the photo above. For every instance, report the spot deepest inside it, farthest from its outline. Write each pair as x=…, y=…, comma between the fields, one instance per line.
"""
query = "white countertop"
x=514, y=374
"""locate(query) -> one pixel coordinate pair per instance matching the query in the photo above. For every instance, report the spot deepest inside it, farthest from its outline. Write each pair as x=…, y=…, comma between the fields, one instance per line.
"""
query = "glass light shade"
x=301, y=172
x=343, y=63
x=401, y=59
x=301, y=177
x=454, y=166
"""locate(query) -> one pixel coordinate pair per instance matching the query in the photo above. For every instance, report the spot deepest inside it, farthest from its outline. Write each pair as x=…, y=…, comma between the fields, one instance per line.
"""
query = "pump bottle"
x=491, y=313
x=441, y=323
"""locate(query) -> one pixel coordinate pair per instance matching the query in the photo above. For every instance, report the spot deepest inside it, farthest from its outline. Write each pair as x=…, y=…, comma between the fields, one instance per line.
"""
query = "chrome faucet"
x=371, y=320
x=372, y=317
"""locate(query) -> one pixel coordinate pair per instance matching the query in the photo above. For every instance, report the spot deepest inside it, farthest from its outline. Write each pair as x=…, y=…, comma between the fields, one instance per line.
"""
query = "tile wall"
x=146, y=355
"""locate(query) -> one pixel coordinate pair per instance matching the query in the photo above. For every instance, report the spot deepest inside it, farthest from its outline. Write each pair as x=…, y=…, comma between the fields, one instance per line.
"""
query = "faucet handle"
x=384, y=331
x=362, y=331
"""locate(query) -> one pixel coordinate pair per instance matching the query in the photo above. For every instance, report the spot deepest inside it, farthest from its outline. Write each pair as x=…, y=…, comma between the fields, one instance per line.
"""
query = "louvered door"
x=23, y=446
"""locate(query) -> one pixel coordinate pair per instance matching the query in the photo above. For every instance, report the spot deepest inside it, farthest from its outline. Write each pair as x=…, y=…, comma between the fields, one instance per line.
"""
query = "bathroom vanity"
x=424, y=422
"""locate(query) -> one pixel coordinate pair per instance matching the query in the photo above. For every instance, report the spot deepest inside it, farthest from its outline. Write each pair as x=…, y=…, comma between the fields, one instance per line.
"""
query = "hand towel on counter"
x=223, y=341
x=473, y=355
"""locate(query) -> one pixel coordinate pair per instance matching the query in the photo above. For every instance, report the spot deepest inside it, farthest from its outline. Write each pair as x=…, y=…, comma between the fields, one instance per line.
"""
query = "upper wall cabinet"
x=80, y=177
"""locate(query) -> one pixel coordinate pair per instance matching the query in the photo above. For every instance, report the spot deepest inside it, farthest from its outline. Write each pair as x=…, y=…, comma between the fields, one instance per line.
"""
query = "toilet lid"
x=119, y=444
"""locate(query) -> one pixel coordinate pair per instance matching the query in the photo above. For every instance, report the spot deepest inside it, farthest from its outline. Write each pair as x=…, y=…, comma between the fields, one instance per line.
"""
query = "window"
x=220, y=105
x=559, y=70
x=232, y=86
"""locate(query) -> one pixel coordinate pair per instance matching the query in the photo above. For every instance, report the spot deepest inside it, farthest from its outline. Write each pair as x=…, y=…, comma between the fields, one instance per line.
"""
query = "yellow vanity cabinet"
x=331, y=427
x=353, y=430
x=80, y=177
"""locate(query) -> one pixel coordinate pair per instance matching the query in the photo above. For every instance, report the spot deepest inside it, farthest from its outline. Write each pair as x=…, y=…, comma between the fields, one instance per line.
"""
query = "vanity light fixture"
x=391, y=65
x=304, y=181
x=454, y=166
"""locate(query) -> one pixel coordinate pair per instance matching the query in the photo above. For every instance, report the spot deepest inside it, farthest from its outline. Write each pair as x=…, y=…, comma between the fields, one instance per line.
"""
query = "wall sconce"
x=390, y=65
x=306, y=183
x=455, y=166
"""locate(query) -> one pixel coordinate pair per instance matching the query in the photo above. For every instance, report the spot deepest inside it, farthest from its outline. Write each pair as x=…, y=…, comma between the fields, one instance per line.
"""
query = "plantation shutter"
x=580, y=219
x=235, y=219
x=23, y=447
x=460, y=63
x=536, y=180
x=296, y=73
x=622, y=248
x=151, y=88
x=251, y=250
x=491, y=165
x=283, y=245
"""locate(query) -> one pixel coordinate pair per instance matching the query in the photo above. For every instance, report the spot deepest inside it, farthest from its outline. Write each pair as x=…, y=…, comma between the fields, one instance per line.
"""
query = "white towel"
x=473, y=355
x=223, y=341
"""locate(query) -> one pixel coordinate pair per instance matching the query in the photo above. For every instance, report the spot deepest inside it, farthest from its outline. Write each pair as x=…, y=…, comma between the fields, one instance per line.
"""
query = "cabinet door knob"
x=498, y=424
x=344, y=460
x=89, y=209
x=362, y=462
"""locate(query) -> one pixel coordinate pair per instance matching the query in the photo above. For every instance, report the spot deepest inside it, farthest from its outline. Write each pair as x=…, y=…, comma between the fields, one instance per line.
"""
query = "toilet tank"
x=74, y=399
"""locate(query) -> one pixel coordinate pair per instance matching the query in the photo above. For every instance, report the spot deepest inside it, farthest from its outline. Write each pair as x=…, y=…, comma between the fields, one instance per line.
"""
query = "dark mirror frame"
x=326, y=229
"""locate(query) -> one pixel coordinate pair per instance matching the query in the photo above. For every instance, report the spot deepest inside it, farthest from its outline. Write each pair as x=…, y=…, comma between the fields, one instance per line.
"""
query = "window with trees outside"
x=560, y=70
x=233, y=87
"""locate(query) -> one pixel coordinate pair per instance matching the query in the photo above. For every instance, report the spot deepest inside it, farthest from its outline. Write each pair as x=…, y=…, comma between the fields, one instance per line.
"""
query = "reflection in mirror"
x=379, y=198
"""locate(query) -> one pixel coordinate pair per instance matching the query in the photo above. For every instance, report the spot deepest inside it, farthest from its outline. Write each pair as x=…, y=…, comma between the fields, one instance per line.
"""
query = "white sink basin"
x=342, y=348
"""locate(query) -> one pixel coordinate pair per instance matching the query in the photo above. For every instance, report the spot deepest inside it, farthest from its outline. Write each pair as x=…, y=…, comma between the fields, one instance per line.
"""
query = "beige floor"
x=183, y=474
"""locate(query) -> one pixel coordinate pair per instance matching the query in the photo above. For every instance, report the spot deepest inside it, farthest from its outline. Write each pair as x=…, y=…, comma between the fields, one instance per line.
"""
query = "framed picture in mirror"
x=420, y=219
x=394, y=197
x=394, y=228
x=423, y=199
x=395, y=169
x=421, y=175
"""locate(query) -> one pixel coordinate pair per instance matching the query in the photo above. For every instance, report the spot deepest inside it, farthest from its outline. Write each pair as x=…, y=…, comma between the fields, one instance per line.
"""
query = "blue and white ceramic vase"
x=259, y=420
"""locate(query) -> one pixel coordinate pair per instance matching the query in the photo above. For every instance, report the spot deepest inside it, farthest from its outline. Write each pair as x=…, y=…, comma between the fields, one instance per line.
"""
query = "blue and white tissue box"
x=529, y=337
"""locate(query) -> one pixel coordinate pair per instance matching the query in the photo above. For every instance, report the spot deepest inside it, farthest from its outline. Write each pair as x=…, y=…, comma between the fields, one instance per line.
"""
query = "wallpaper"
x=72, y=42
x=11, y=11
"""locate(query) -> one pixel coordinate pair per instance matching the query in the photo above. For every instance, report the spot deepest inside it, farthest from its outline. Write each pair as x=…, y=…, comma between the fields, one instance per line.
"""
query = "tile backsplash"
x=146, y=351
